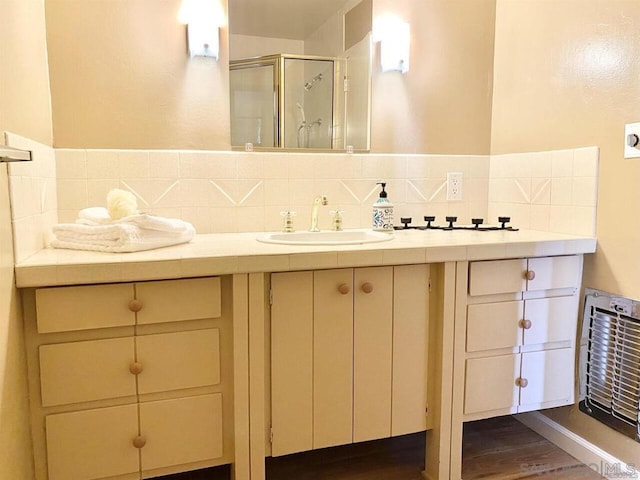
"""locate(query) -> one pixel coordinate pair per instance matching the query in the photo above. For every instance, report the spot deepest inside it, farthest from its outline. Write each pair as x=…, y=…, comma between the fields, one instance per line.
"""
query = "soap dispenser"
x=382, y=212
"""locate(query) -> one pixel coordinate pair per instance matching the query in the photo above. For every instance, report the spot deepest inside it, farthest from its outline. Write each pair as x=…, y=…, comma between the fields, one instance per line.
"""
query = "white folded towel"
x=100, y=216
x=93, y=231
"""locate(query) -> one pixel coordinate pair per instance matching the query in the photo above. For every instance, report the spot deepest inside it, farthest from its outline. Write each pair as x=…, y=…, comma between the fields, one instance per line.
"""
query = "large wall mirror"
x=300, y=74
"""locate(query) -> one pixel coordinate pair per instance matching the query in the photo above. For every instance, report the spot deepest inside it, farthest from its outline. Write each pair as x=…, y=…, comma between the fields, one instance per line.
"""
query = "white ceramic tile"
x=561, y=218
x=539, y=219
x=251, y=219
x=199, y=217
x=561, y=163
x=276, y=191
x=250, y=166
x=301, y=166
x=584, y=220
x=164, y=164
x=224, y=219
x=71, y=164
x=585, y=162
x=133, y=164
x=541, y=164
x=561, y=190
x=275, y=166
x=540, y=191
x=584, y=191
x=102, y=164
x=200, y=193
x=72, y=194
x=97, y=191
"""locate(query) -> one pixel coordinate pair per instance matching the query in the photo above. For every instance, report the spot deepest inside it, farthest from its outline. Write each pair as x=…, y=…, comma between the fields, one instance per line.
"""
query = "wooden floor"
x=500, y=448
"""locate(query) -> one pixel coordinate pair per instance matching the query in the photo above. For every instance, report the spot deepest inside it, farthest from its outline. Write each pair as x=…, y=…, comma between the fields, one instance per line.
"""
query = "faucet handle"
x=287, y=222
x=337, y=219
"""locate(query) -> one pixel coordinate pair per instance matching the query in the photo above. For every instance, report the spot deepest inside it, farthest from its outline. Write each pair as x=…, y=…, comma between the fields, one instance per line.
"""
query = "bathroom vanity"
x=228, y=350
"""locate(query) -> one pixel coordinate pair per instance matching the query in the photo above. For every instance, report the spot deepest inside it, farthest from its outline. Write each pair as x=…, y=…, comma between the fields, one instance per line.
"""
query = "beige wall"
x=121, y=77
x=443, y=104
x=24, y=109
x=566, y=75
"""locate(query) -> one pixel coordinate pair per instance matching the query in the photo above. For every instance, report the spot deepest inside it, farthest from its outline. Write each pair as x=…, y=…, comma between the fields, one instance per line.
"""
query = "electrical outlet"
x=454, y=186
x=632, y=140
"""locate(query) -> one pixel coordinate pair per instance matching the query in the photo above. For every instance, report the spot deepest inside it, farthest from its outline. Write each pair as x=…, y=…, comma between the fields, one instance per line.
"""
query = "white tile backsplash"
x=557, y=194
x=241, y=191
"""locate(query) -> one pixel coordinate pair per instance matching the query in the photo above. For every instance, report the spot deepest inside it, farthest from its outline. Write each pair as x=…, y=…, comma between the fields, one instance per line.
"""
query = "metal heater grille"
x=610, y=361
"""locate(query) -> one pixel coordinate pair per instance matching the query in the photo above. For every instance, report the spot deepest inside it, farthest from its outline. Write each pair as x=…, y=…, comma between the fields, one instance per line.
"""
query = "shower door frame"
x=278, y=63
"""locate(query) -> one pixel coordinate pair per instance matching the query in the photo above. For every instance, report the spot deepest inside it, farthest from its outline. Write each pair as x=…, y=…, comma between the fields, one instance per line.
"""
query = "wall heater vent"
x=610, y=361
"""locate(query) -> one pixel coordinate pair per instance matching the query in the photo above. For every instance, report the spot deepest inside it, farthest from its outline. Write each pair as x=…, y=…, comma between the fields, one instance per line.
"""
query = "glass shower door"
x=254, y=105
x=308, y=103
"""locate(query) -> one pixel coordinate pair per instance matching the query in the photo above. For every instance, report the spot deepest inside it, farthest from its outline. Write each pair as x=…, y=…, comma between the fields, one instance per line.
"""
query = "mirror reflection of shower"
x=309, y=85
x=304, y=129
x=286, y=101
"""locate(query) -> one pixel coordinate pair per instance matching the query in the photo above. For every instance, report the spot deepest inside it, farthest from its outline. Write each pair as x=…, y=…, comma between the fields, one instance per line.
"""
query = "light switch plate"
x=630, y=129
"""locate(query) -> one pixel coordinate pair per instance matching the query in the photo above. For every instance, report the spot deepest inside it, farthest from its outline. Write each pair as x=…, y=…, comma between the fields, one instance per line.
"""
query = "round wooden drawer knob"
x=367, y=287
x=522, y=382
x=139, y=441
x=344, y=288
x=530, y=275
x=136, y=368
x=526, y=324
x=135, y=305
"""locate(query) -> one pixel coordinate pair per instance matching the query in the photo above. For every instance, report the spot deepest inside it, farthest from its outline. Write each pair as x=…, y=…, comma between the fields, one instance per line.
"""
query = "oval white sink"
x=344, y=237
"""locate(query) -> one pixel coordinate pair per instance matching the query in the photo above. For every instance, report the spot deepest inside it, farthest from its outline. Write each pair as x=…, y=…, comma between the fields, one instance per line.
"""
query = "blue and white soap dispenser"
x=382, y=212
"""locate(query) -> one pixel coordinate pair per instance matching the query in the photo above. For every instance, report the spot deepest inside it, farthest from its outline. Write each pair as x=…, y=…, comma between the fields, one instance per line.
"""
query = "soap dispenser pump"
x=382, y=212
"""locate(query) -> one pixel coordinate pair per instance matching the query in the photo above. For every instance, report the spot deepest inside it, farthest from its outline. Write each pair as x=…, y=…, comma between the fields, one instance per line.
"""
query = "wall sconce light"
x=394, y=36
x=203, y=19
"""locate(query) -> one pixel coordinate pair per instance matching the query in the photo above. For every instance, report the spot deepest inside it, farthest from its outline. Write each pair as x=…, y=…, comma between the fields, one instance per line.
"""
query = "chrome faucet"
x=319, y=200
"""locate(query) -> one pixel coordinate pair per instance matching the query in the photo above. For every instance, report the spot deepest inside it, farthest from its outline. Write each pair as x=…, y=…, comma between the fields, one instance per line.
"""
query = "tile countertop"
x=227, y=253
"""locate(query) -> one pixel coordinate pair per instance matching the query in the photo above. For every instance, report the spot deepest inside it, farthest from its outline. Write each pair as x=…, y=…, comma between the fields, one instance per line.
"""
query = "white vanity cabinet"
x=520, y=334
x=348, y=355
x=130, y=380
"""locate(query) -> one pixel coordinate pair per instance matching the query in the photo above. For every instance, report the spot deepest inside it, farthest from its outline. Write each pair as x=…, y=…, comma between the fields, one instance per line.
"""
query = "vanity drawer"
x=86, y=371
x=494, y=325
x=64, y=309
x=173, y=361
x=521, y=275
x=178, y=300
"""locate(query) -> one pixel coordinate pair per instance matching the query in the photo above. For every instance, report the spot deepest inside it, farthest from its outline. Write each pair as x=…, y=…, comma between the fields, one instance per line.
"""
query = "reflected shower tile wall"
x=550, y=191
x=239, y=191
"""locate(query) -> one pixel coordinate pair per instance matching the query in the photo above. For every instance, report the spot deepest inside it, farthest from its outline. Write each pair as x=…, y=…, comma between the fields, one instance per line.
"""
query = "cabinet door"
x=176, y=300
x=410, y=328
x=494, y=325
x=552, y=320
x=549, y=376
x=181, y=430
x=372, y=353
x=490, y=383
x=92, y=444
x=64, y=309
x=555, y=272
x=332, y=357
x=171, y=361
x=86, y=371
x=497, y=276
x=292, y=362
